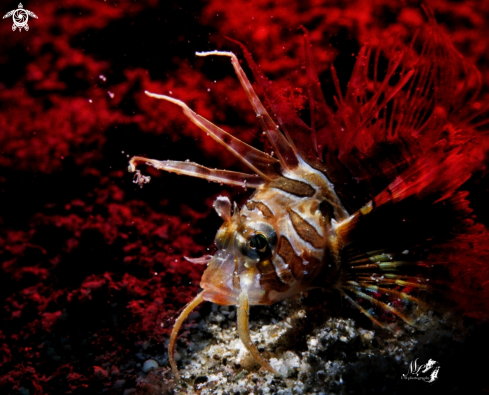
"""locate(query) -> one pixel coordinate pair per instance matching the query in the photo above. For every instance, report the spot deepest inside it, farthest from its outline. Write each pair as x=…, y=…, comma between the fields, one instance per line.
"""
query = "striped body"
x=302, y=208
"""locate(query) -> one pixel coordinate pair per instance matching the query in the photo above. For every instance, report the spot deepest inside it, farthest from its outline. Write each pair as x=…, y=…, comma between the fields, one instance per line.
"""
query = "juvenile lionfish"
x=364, y=201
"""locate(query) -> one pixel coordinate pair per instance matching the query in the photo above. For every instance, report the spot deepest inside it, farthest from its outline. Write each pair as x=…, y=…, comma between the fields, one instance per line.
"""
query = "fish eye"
x=256, y=240
x=259, y=242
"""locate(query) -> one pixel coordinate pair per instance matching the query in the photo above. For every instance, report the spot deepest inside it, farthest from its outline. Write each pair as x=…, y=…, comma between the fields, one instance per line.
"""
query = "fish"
x=365, y=200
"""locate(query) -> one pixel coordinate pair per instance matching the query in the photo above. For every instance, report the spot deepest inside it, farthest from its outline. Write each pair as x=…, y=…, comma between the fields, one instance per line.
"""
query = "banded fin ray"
x=258, y=161
x=285, y=152
x=195, y=170
x=383, y=286
x=386, y=256
x=298, y=134
x=357, y=290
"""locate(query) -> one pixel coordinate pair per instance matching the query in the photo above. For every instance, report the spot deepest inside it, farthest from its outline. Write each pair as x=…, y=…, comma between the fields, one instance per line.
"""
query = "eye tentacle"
x=176, y=328
x=284, y=150
x=195, y=170
x=244, y=332
x=203, y=260
x=258, y=161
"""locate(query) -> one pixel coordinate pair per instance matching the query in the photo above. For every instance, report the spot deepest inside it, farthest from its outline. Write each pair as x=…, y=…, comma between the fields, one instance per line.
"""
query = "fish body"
x=357, y=201
x=294, y=216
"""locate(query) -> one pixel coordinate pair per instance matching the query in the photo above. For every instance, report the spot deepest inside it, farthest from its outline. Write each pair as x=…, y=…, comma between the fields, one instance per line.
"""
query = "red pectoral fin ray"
x=391, y=117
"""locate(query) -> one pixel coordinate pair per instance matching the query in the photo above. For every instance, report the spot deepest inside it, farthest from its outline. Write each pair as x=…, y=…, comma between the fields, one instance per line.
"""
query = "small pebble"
x=114, y=371
x=100, y=373
x=24, y=391
x=119, y=384
x=149, y=365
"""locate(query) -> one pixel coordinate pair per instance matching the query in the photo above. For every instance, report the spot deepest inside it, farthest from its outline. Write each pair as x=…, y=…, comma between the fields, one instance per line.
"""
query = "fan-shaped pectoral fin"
x=244, y=332
x=176, y=328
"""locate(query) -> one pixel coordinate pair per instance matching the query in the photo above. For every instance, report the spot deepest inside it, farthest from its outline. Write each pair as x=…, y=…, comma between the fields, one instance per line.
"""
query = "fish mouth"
x=227, y=275
x=218, y=280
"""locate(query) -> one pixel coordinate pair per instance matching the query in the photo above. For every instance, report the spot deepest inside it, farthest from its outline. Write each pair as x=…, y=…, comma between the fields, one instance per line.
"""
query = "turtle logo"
x=20, y=17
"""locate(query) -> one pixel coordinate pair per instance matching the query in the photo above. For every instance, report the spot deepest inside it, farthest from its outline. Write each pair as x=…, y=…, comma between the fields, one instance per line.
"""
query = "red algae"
x=93, y=272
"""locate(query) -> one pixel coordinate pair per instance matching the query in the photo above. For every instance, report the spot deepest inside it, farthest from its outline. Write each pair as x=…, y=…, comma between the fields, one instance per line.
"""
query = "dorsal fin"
x=299, y=135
